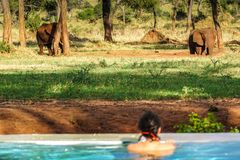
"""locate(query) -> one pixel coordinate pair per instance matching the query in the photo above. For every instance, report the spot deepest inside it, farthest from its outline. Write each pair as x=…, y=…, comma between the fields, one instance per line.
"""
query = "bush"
x=199, y=17
x=4, y=48
x=83, y=75
x=181, y=15
x=33, y=21
x=86, y=14
x=129, y=14
x=98, y=11
x=224, y=4
x=13, y=4
x=49, y=5
x=181, y=11
x=168, y=26
x=164, y=14
x=234, y=130
x=196, y=124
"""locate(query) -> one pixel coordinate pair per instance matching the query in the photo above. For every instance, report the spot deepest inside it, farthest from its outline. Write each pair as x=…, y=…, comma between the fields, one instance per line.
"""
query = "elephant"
x=201, y=39
x=45, y=35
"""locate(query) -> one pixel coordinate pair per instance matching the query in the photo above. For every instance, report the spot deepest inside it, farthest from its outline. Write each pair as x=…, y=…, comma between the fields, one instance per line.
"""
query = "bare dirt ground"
x=95, y=116
x=152, y=54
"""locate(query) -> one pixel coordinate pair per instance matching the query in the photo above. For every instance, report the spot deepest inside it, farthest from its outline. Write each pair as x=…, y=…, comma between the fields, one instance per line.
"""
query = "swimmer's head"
x=149, y=124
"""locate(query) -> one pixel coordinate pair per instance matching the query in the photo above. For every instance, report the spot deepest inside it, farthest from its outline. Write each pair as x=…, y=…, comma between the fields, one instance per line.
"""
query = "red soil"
x=74, y=116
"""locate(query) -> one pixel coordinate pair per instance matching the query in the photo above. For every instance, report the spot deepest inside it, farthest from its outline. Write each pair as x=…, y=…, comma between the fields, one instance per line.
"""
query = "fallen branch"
x=232, y=42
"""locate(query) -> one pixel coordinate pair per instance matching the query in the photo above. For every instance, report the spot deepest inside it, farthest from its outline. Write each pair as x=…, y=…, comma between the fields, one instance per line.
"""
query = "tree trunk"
x=61, y=37
x=199, y=7
x=106, y=10
x=57, y=35
x=124, y=15
x=65, y=36
x=174, y=16
x=7, y=22
x=215, y=11
x=155, y=18
x=22, y=33
x=58, y=11
x=189, y=20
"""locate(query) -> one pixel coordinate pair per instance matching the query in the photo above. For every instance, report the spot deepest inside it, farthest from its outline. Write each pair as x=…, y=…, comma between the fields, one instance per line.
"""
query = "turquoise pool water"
x=115, y=151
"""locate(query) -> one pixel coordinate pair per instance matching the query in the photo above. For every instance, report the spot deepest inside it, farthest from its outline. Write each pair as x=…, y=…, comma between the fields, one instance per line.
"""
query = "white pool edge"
x=113, y=139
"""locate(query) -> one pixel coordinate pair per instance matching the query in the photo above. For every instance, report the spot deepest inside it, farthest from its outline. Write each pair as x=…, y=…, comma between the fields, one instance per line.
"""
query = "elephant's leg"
x=209, y=50
x=203, y=49
x=191, y=45
x=199, y=50
x=40, y=49
x=61, y=47
x=49, y=49
x=192, y=49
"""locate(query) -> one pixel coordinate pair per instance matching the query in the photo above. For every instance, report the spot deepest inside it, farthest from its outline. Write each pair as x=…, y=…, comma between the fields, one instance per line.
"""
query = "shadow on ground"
x=117, y=86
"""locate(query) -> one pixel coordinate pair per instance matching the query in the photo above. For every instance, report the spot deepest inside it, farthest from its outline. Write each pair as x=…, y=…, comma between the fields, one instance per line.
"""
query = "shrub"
x=86, y=14
x=33, y=21
x=234, y=130
x=103, y=63
x=199, y=17
x=4, y=48
x=13, y=4
x=163, y=14
x=129, y=14
x=168, y=26
x=49, y=5
x=196, y=124
x=98, y=11
x=224, y=4
x=181, y=11
x=83, y=75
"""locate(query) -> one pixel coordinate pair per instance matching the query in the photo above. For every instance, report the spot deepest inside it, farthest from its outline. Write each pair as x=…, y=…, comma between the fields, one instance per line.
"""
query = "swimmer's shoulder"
x=155, y=145
x=156, y=148
x=136, y=147
x=165, y=145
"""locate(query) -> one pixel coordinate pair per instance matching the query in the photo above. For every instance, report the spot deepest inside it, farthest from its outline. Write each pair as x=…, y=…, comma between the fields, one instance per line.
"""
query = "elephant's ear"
x=197, y=38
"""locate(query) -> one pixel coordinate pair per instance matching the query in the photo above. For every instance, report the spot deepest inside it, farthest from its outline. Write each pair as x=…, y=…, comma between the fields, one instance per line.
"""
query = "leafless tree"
x=22, y=33
x=155, y=18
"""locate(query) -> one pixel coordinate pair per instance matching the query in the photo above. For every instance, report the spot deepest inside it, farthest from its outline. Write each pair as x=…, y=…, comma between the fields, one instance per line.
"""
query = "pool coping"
x=91, y=138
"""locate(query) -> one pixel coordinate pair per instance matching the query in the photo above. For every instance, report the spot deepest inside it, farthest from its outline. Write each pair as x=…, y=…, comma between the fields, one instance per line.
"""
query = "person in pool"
x=149, y=142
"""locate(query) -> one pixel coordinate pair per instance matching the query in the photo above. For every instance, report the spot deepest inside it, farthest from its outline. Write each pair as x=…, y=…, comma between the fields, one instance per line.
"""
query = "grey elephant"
x=201, y=40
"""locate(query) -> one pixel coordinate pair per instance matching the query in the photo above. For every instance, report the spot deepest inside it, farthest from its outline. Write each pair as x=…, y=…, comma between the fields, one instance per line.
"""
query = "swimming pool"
x=110, y=147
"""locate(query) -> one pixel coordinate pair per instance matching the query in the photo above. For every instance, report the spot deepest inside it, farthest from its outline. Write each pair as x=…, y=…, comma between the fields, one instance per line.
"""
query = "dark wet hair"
x=149, y=124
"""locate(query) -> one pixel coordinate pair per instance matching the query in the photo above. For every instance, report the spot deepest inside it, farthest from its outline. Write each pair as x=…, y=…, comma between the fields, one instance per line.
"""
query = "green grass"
x=25, y=75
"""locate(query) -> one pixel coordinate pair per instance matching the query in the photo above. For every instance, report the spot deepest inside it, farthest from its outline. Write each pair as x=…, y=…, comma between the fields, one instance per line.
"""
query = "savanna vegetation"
x=88, y=74
x=97, y=77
